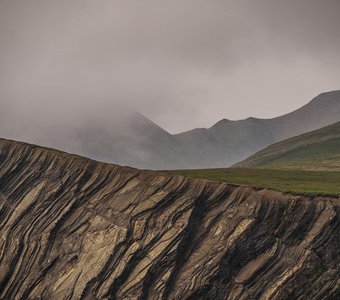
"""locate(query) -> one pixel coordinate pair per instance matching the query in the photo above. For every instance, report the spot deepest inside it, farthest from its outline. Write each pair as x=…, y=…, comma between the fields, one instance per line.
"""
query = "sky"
x=182, y=63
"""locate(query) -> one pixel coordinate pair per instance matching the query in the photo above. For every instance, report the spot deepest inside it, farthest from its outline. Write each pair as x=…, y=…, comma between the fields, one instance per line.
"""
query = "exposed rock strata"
x=72, y=228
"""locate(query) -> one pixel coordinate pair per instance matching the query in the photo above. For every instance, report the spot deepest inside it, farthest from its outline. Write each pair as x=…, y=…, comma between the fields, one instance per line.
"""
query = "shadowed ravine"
x=73, y=228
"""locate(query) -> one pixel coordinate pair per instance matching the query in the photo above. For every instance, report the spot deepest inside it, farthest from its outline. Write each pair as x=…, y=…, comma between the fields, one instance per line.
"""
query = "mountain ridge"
x=228, y=142
x=126, y=137
x=315, y=99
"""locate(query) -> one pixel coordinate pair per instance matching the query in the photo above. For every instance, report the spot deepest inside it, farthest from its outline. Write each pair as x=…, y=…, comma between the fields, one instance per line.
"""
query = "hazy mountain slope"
x=131, y=140
x=228, y=142
x=225, y=142
x=123, y=136
x=73, y=228
x=316, y=150
x=321, y=111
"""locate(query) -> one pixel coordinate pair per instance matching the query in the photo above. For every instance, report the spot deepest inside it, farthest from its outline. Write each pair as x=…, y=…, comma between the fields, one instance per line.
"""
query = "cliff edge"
x=73, y=228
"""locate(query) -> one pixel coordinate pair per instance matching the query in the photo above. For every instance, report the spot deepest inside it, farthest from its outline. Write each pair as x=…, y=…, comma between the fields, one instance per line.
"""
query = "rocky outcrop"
x=73, y=228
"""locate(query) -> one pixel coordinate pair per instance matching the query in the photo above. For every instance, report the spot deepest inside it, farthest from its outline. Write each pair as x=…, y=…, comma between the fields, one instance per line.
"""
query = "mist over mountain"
x=130, y=139
x=116, y=134
x=67, y=66
x=123, y=136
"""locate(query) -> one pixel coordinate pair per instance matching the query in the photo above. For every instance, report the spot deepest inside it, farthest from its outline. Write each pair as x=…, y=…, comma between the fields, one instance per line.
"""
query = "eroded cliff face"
x=72, y=228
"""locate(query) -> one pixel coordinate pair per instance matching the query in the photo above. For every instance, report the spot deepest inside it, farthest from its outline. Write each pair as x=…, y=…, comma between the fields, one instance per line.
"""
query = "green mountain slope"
x=316, y=150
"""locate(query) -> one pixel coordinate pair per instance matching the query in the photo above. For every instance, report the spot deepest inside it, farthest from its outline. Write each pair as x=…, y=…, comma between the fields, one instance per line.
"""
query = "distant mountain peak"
x=221, y=122
x=252, y=119
x=327, y=96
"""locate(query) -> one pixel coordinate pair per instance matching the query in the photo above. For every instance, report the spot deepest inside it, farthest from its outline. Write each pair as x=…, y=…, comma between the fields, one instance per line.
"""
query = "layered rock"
x=73, y=228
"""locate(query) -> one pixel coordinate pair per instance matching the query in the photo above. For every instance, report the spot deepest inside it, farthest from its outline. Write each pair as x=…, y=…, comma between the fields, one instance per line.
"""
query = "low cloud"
x=183, y=64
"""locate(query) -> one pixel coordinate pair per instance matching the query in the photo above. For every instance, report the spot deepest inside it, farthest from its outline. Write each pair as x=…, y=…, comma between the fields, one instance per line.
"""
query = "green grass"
x=324, y=155
x=311, y=183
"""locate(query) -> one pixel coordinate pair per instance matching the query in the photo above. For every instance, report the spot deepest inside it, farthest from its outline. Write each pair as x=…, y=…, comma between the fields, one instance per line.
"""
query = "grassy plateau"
x=311, y=183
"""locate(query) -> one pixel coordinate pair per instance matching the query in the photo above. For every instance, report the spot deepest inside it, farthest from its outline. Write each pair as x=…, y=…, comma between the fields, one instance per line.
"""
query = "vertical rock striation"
x=73, y=228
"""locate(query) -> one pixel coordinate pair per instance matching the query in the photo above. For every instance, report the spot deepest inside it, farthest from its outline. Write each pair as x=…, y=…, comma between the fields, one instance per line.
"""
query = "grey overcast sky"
x=182, y=63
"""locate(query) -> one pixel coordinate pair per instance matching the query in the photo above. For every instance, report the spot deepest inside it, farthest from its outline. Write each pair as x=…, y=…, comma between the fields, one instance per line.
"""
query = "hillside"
x=73, y=228
x=316, y=150
x=228, y=142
